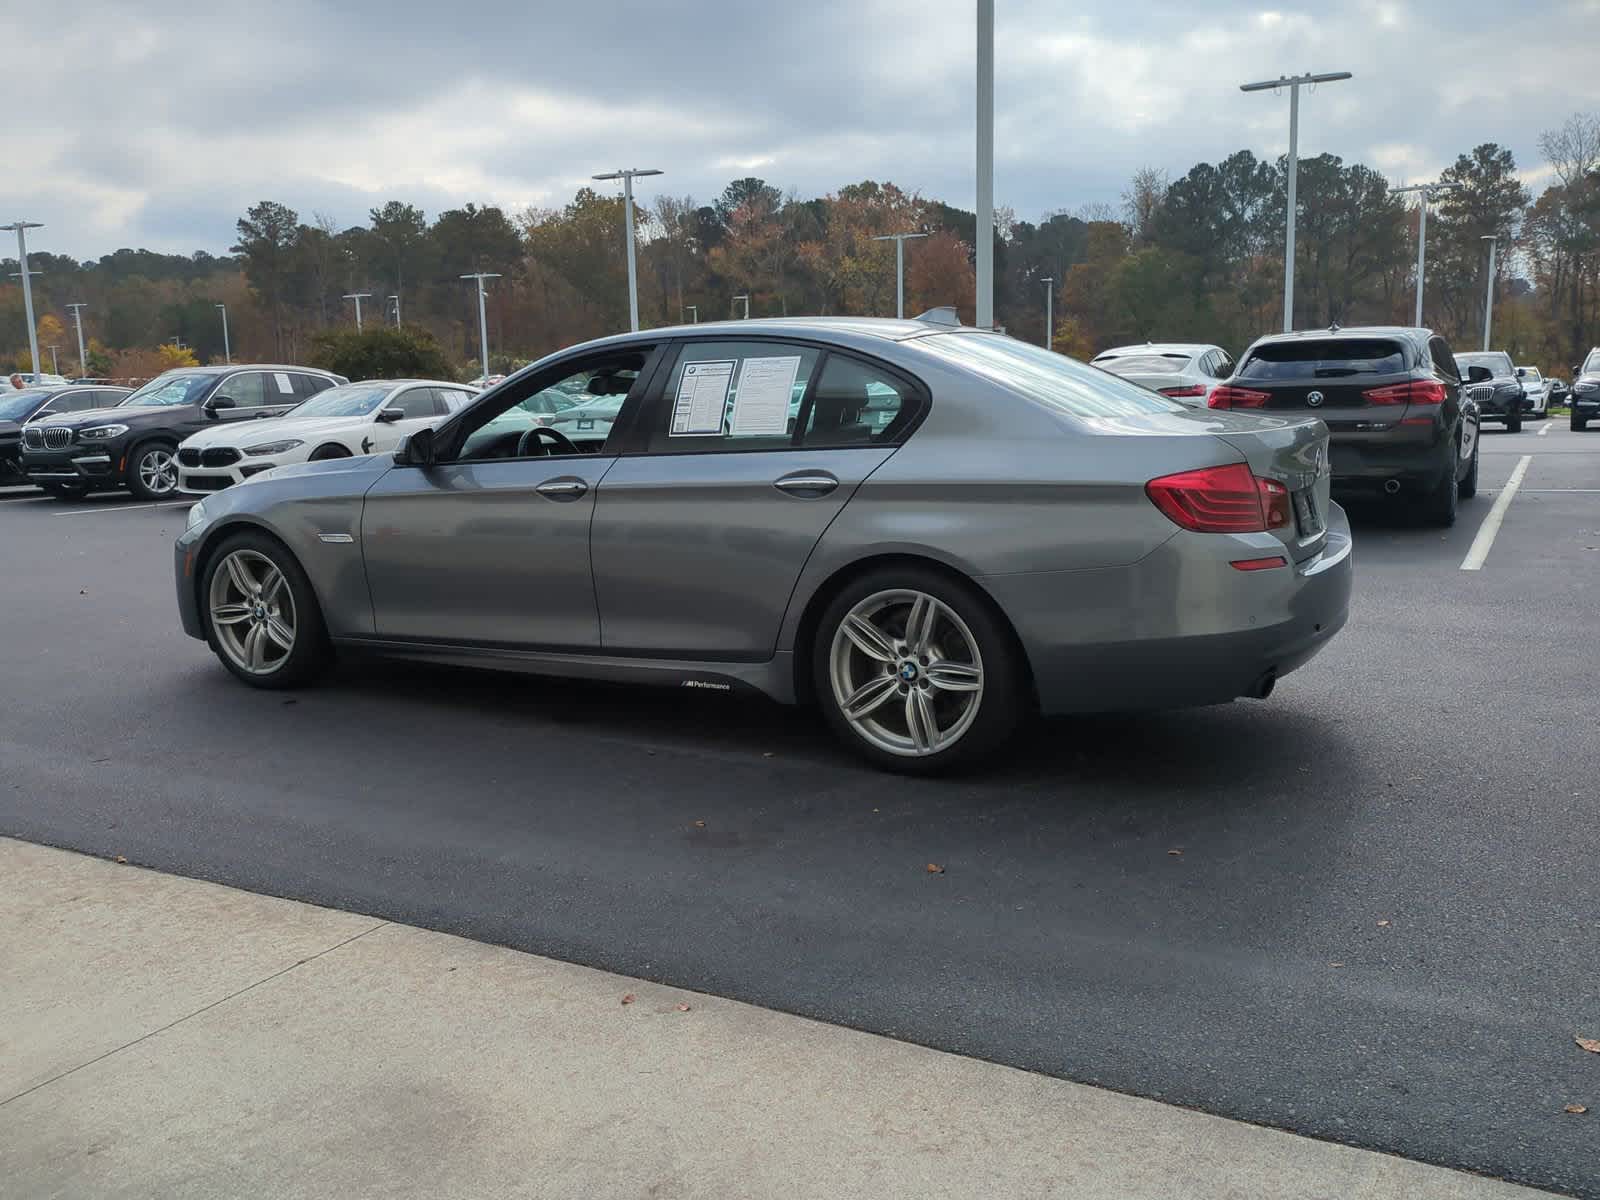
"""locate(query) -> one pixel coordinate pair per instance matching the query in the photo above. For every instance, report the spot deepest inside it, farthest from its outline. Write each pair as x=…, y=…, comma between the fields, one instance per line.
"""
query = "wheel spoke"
x=241, y=577
x=270, y=584
x=919, y=625
x=868, y=638
x=255, y=647
x=869, y=696
x=954, y=676
x=920, y=721
x=279, y=632
x=229, y=614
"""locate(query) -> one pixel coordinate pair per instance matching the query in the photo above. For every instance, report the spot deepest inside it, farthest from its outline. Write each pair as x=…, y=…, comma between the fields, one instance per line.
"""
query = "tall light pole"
x=694, y=310
x=985, y=229
x=899, y=240
x=1488, y=300
x=1293, y=83
x=396, y=299
x=21, y=228
x=1427, y=191
x=1049, y=312
x=77, y=318
x=358, y=297
x=55, y=363
x=483, y=318
x=227, y=350
x=627, y=178
x=745, y=296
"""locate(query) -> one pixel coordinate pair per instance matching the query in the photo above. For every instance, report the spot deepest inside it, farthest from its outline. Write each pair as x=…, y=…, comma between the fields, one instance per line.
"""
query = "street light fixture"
x=483, y=319
x=77, y=318
x=227, y=350
x=694, y=310
x=627, y=178
x=1427, y=191
x=55, y=363
x=1293, y=83
x=985, y=224
x=899, y=240
x=21, y=228
x=745, y=296
x=358, y=297
x=1049, y=312
x=1488, y=300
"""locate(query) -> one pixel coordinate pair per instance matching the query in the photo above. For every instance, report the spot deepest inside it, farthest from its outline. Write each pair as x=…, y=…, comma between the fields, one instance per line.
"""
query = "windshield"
x=16, y=405
x=352, y=400
x=1144, y=364
x=166, y=391
x=1530, y=374
x=1334, y=358
x=1591, y=365
x=1497, y=364
x=1062, y=383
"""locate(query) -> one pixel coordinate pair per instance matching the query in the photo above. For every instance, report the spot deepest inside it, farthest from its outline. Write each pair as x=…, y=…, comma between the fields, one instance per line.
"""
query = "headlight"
x=273, y=447
x=1586, y=385
x=101, y=432
x=197, y=514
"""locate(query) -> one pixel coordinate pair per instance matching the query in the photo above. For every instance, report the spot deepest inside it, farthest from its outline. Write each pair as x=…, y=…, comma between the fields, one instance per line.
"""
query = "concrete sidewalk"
x=163, y=1037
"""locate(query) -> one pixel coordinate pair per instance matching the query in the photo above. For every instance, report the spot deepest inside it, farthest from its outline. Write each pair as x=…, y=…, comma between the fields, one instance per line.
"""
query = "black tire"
x=1440, y=507
x=1468, y=487
x=323, y=453
x=311, y=652
x=141, y=462
x=1577, y=424
x=1514, y=424
x=1001, y=704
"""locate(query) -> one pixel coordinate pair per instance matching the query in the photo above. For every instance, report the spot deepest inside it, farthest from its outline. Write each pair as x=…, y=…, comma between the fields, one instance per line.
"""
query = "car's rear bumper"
x=1365, y=468
x=1181, y=627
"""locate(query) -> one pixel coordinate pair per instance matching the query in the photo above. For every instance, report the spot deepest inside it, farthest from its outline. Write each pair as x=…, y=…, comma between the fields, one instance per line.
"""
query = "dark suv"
x=1499, y=393
x=1391, y=399
x=29, y=404
x=1585, y=398
x=135, y=442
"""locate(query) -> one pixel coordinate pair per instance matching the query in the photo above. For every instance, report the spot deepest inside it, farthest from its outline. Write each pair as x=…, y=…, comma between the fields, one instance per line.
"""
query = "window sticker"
x=284, y=386
x=702, y=398
x=761, y=405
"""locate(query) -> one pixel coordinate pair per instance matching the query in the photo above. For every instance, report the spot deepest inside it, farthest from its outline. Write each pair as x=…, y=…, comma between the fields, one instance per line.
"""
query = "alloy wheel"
x=158, y=471
x=252, y=612
x=906, y=672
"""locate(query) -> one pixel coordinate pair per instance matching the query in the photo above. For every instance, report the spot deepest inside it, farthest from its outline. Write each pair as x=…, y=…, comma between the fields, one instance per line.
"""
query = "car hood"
x=248, y=432
x=9, y=428
x=104, y=416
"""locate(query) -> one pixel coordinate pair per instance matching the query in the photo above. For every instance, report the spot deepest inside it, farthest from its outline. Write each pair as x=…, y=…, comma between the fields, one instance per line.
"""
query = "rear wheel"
x=153, y=471
x=1440, y=507
x=916, y=672
x=260, y=614
x=1468, y=488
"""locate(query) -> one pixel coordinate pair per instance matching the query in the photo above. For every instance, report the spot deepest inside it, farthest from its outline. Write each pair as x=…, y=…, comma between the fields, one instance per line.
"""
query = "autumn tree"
x=267, y=234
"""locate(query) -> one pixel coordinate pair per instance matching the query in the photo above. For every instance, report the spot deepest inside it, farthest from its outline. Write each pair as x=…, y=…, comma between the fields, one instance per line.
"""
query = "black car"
x=29, y=404
x=1391, y=398
x=1498, y=391
x=1585, y=397
x=134, y=444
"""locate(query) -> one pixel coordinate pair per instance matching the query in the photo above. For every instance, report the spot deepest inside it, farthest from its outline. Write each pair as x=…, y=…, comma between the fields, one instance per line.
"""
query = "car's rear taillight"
x=1193, y=389
x=1237, y=397
x=1221, y=500
x=1418, y=391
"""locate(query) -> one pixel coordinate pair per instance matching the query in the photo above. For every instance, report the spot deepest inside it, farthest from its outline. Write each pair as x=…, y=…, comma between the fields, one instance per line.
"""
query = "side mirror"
x=1522, y=372
x=1479, y=374
x=388, y=416
x=416, y=450
x=216, y=404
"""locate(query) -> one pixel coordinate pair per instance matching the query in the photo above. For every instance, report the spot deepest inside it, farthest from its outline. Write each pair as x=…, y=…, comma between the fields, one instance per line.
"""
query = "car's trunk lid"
x=1330, y=378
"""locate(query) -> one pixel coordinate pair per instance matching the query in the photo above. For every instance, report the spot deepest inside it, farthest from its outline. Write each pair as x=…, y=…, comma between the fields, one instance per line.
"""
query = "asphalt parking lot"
x=1367, y=909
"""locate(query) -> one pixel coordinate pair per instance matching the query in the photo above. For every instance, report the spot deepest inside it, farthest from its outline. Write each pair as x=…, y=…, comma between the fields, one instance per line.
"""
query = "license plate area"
x=1306, y=515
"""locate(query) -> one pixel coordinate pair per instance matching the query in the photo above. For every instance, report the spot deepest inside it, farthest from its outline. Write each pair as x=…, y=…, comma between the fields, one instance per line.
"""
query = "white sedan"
x=1182, y=371
x=357, y=418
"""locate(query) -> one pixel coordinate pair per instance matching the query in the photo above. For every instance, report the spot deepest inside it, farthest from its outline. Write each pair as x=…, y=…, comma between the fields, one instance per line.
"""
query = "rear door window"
x=247, y=390
x=855, y=405
x=1333, y=358
x=415, y=403
x=308, y=385
x=733, y=395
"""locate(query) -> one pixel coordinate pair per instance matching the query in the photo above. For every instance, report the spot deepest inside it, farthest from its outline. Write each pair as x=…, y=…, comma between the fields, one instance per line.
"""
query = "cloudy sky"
x=164, y=120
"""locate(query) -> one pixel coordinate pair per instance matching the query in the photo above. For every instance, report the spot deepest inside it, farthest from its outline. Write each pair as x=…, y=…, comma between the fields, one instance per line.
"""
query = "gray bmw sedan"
x=927, y=531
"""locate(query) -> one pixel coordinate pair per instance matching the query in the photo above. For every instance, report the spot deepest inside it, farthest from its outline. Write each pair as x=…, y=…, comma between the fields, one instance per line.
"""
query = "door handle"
x=806, y=483
x=563, y=489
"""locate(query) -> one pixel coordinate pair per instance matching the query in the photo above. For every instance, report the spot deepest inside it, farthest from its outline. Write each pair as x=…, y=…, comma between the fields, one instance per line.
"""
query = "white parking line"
x=1491, y=524
x=1545, y=428
x=119, y=508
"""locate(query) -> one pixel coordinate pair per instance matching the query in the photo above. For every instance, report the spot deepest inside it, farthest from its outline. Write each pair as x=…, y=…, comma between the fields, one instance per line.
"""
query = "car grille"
x=1481, y=392
x=189, y=458
x=49, y=437
x=220, y=456
x=33, y=438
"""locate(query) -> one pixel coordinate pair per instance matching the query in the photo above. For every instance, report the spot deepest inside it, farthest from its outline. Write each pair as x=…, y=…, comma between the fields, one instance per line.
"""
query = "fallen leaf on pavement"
x=1592, y=1045
x=1576, y=1110
x=1383, y=924
x=628, y=999
x=1175, y=853
x=119, y=859
x=699, y=824
x=683, y=1008
x=935, y=869
x=1336, y=964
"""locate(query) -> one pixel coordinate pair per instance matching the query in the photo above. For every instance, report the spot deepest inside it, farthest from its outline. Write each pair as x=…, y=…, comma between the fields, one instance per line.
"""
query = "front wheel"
x=1577, y=424
x=916, y=672
x=1514, y=424
x=153, y=471
x=1468, y=488
x=260, y=614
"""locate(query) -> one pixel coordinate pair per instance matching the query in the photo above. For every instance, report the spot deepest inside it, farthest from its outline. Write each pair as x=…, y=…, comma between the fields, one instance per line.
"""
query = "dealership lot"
x=1365, y=909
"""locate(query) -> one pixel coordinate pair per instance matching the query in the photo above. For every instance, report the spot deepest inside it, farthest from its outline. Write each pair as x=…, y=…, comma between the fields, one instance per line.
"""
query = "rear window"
x=1332, y=359
x=1144, y=364
x=1062, y=383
